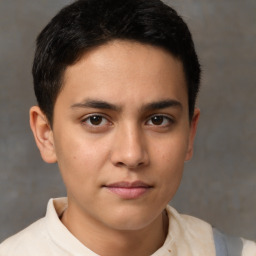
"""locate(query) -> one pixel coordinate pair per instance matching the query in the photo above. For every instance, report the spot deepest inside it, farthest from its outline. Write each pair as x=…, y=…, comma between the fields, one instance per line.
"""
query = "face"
x=121, y=133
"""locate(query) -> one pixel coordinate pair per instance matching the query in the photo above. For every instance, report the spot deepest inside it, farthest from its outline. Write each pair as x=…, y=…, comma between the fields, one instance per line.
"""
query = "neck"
x=107, y=242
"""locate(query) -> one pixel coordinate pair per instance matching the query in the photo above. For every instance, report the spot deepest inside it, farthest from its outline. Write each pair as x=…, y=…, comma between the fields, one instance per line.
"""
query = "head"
x=116, y=82
x=87, y=24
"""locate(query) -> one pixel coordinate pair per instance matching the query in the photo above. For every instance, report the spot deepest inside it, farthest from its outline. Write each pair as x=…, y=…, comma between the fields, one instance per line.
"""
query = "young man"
x=116, y=83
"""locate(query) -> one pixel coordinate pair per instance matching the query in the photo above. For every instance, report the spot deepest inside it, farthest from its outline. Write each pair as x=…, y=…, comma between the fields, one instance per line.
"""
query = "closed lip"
x=126, y=184
x=129, y=190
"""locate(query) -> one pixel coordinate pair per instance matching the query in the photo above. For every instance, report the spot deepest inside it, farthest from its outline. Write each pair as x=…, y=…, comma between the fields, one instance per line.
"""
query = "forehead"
x=126, y=70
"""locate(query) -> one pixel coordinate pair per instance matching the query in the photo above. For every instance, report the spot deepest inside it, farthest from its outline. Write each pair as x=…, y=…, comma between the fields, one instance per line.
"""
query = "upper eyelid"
x=110, y=119
x=85, y=117
x=162, y=115
x=106, y=123
x=169, y=118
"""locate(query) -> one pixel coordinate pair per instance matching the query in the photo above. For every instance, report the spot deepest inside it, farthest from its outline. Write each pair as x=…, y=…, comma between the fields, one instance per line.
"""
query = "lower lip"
x=129, y=193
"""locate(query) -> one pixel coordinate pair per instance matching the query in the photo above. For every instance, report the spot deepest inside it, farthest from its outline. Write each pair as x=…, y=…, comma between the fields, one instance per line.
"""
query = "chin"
x=132, y=219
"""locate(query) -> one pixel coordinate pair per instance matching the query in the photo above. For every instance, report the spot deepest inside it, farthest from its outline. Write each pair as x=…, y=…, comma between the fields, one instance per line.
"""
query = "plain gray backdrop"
x=219, y=183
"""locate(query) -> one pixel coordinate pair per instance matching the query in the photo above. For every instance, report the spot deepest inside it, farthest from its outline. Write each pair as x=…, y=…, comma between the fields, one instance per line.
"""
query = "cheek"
x=169, y=177
x=79, y=157
x=169, y=163
x=170, y=151
x=79, y=169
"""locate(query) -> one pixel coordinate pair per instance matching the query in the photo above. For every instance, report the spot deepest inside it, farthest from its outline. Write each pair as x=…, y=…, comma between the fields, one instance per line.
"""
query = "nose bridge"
x=129, y=147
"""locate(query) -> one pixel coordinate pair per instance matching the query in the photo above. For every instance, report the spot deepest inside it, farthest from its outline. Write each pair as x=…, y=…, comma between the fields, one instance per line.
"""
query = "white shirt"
x=187, y=236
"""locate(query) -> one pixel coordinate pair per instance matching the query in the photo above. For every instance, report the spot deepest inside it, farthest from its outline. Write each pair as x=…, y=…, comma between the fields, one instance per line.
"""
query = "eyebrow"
x=90, y=103
x=99, y=104
x=162, y=104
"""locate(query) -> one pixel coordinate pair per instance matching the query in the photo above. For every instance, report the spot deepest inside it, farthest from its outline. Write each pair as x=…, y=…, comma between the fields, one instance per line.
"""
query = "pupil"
x=157, y=120
x=96, y=120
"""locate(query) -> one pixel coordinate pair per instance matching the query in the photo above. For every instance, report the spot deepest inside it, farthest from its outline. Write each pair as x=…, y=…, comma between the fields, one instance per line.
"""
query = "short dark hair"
x=86, y=24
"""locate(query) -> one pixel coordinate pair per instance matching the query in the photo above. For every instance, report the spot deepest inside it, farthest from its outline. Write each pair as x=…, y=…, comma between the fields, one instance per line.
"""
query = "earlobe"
x=192, y=133
x=43, y=134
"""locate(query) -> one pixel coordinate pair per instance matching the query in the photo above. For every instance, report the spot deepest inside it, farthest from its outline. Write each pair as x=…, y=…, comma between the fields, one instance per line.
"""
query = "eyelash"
x=165, y=121
x=88, y=119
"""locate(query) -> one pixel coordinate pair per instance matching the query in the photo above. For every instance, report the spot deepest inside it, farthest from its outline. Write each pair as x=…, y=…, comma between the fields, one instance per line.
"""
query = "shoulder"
x=191, y=235
x=249, y=248
x=202, y=237
x=227, y=245
x=40, y=237
x=191, y=226
x=32, y=236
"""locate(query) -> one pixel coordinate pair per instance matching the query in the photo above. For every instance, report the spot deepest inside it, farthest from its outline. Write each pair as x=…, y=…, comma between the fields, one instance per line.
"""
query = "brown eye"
x=157, y=120
x=95, y=120
x=160, y=120
x=96, y=123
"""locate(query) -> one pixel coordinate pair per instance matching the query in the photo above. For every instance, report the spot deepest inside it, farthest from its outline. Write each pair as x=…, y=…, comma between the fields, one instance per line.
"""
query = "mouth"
x=129, y=190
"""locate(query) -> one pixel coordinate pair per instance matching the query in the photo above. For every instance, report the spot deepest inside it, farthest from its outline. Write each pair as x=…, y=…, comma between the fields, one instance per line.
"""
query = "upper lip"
x=126, y=184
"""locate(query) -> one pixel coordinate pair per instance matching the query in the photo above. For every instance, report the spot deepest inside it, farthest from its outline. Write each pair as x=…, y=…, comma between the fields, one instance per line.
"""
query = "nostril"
x=130, y=166
x=120, y=164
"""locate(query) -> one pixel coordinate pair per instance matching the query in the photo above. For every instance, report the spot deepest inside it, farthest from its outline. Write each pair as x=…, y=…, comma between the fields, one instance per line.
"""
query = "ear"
x=43, y=134
x=192, y=133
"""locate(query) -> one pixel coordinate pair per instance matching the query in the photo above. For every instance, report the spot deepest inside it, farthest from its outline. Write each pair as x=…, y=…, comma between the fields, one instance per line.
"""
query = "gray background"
x=219, y=184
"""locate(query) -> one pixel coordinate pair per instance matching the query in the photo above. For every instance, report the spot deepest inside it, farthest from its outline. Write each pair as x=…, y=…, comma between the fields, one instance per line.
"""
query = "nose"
x=129, y=148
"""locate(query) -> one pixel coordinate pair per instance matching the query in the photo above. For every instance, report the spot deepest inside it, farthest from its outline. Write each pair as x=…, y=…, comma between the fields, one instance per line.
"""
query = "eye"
x=159, y=120
x=95, y=121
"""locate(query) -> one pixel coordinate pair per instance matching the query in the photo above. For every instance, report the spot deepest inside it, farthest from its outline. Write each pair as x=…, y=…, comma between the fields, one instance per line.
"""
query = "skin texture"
x=122, y=116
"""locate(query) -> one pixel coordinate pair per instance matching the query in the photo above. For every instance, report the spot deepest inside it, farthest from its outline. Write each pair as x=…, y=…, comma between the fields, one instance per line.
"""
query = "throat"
x=142, y=242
